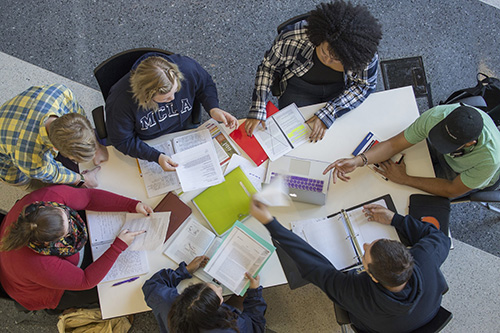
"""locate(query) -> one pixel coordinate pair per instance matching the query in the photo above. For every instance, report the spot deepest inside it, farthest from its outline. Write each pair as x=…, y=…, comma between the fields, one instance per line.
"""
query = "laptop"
x=304, y=178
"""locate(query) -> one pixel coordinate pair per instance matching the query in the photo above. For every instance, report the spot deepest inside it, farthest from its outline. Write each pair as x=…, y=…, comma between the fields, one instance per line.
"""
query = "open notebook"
x=340, y=236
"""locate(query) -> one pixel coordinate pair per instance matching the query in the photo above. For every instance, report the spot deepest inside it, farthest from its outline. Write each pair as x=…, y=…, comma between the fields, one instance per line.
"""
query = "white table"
x=385, y=114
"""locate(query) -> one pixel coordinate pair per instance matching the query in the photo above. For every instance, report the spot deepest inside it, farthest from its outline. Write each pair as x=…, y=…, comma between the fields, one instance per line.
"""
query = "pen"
x=400, y=159
x=139, y=166
x=125, y=281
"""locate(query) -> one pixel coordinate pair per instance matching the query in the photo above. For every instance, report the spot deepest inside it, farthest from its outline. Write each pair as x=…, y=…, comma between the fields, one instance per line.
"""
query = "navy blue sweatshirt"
x=160, y=293
x=372, y=307
x=128, y=124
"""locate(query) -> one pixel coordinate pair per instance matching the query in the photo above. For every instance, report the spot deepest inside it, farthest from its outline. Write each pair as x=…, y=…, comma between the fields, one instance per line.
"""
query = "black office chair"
x=440, y=320
x=275, y=89
x=112, y=70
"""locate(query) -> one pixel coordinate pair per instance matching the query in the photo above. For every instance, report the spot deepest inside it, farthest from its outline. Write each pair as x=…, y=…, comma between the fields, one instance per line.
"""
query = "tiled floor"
x=455, y=38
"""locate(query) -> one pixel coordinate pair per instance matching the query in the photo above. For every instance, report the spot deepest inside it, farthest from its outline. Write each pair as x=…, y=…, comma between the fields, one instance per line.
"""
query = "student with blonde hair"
x=155, y=98
x=36, y=126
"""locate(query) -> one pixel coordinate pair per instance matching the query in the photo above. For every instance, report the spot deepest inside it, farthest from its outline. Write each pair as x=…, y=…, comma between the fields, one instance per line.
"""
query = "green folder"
x=224, y=204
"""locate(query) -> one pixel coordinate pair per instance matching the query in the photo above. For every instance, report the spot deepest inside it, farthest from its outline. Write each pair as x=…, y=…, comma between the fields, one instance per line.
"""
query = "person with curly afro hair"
x=330, y=56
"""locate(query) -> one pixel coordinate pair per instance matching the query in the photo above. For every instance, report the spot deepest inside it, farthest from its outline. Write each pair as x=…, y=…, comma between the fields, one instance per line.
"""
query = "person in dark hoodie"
x=155, y=98
x=400, y=289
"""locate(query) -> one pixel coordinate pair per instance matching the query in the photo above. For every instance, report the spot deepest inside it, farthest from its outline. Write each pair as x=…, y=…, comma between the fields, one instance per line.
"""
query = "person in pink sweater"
x=44, y=263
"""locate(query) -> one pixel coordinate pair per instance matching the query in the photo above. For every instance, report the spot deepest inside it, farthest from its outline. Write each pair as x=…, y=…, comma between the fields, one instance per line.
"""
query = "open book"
x=215, y=154
x=285, y=130
x=240, y=251
x=104, y=227
x=340, y=237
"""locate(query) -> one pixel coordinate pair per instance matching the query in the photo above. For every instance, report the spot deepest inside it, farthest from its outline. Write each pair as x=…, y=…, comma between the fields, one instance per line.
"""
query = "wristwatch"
x=82, y=181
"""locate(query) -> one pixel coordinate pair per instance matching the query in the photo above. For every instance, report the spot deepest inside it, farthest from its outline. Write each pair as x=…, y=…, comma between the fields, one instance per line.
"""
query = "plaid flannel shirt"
x=25, y=149
x=292, y=54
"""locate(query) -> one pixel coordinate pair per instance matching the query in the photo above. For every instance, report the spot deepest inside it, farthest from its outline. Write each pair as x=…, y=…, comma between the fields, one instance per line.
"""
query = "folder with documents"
x=223, y=204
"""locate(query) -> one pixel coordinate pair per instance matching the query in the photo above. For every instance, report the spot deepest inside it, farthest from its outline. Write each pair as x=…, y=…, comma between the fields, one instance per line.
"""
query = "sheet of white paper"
x=272, y=140
x=366, y=231
x=156, y=226
x=104, y=226
x=293, y=125
x=298, y=226
x=193, y=240
x=198, y=167
x=103, y=229
x=330, y=238
x=255, y=174
x=155, y=179
x=128, y=264
x=274, y=194
x=239, y=253
x=193, y=139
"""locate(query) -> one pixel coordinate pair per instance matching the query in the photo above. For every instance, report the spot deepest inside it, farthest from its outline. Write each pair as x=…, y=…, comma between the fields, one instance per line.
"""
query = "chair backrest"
x=293, y=20
x=440, y=320
x=114, y=68
x=275, y=88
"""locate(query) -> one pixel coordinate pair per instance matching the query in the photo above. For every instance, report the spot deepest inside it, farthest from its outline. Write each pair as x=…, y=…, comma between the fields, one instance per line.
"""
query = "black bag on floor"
x=485, y=96
x=487, y=88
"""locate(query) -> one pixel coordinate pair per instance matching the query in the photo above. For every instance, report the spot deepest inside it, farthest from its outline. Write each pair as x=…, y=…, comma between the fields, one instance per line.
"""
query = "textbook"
x=340, y=236
x=224, y=204
x=239, y=251
x=104, y=227
x=159, y=182
x=285, y=130
x=250, y=144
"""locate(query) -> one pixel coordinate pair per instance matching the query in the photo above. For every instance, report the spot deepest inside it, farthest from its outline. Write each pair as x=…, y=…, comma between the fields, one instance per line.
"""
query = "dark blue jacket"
x=128, y=124
x=372, y=307
x=160, y=292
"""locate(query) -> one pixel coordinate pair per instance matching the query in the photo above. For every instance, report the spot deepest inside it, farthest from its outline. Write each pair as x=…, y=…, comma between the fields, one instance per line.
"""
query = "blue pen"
x=125, y=281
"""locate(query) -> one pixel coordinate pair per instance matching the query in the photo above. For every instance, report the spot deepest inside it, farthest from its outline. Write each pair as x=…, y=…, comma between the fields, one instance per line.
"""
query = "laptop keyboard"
x=301, y=183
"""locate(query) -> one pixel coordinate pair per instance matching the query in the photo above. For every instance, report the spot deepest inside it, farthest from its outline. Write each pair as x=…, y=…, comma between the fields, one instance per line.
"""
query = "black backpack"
x=485, y=96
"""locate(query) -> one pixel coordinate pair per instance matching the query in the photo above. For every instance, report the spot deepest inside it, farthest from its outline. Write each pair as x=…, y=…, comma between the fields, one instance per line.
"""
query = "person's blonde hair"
x=45, y=224
x=154, y=75
x=73, y=136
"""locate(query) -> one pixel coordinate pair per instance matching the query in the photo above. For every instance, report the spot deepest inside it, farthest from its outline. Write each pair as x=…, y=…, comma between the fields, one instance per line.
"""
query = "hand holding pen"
x=394, y=171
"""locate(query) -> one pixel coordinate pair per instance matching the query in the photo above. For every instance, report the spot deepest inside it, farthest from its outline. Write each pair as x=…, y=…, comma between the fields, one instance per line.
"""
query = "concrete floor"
x=456, y=39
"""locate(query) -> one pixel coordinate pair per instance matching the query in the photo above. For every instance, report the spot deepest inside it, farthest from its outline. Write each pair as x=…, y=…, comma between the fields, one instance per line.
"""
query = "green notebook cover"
x=223, y=204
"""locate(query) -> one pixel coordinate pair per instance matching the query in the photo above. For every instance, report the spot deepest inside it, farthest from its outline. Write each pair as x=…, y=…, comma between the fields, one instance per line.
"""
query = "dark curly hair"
x=351, y=31
x=391, y=264
x=198, y=307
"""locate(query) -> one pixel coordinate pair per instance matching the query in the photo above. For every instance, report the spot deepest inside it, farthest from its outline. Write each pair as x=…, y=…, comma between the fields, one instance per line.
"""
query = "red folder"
x=250, y=144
